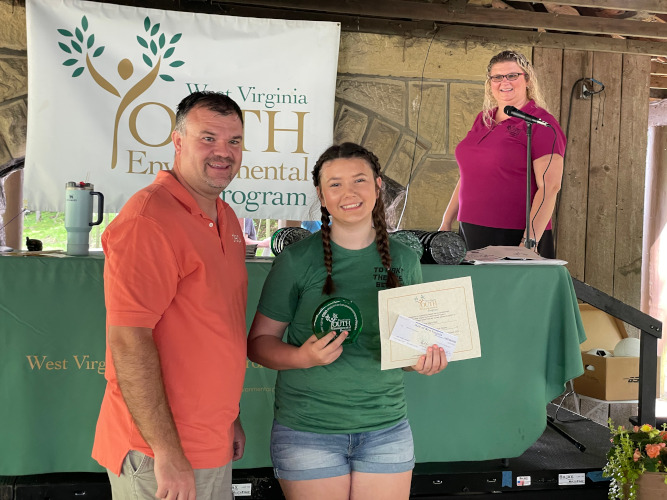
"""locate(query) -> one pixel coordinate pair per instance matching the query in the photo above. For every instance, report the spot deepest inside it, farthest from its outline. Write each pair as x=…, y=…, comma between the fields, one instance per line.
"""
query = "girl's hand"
x=432, y=362
x=324, y=351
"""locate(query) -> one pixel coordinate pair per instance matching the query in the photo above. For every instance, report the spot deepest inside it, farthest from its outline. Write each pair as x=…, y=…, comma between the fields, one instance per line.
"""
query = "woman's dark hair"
x=351, y=150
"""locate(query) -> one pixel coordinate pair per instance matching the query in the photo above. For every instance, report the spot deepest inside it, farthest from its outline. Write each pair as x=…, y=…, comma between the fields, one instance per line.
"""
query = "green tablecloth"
x=52, y=352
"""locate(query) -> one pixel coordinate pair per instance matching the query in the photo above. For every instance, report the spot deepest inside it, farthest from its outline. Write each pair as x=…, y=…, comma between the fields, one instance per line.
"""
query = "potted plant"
x=636, y=463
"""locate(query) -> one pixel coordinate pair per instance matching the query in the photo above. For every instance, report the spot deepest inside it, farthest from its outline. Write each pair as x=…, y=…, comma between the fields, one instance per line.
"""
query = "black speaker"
x=7, y=487
x=252, y=484
x=63, y=486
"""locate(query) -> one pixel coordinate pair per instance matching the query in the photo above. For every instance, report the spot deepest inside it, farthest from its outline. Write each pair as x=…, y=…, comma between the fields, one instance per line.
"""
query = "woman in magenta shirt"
x=489, y=200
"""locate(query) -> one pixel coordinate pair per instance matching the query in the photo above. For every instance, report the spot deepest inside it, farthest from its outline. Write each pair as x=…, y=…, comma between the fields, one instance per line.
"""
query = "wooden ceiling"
x=597, y=25
x=601, y=25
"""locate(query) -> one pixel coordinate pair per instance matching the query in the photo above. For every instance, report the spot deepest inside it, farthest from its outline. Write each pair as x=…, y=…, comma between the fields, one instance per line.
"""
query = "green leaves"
x=156, y=44
x=78, y=41
x=651, y=465
x=78, y=34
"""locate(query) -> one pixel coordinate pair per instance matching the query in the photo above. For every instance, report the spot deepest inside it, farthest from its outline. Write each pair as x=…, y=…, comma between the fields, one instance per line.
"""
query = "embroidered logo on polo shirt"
x=512, y=130
x=236, y=238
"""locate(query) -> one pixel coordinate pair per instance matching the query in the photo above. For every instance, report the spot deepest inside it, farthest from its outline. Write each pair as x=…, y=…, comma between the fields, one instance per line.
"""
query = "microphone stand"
x=551, y=423
x=528, y=241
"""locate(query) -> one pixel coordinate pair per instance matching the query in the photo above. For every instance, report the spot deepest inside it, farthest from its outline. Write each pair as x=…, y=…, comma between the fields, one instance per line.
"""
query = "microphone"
x=512, y=111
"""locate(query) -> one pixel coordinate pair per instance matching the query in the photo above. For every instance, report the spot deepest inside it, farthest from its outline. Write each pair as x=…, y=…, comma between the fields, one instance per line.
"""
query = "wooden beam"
x=575, y=118
x=548, y=63
x=457, y=5
x=603, y=175
x=553, y=40
x=633, y=139
x=658, y=68
x=425, y=29
x=658, y=82
x=409, y=10
x=652, y=6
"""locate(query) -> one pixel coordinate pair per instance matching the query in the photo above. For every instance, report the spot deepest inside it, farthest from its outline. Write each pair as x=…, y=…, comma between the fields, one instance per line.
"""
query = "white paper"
x=523, y=480
x=571, y=479
x=420, y=336
x=509, y=255
x=446, y=305
x=242, y=489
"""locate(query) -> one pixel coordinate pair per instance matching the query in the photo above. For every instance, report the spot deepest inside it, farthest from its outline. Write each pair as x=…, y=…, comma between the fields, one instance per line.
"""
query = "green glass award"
x=338, y=315
x=285, y=236
x=410, y=239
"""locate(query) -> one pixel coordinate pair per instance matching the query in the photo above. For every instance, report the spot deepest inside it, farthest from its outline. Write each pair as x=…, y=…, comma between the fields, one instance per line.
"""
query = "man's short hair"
x=214, y=101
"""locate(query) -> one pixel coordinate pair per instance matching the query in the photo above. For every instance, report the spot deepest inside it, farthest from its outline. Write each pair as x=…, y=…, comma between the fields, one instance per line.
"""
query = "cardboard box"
x=610, y=379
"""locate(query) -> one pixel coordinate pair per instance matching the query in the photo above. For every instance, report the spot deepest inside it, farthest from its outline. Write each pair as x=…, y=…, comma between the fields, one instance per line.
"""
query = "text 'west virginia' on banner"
x=105, y=80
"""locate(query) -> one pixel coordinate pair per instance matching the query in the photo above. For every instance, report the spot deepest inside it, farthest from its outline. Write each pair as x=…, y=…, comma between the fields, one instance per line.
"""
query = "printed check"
x=419, y=336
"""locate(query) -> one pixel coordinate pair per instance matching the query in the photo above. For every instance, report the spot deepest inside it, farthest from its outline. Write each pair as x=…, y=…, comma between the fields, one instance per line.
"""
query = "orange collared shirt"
x=170, y=268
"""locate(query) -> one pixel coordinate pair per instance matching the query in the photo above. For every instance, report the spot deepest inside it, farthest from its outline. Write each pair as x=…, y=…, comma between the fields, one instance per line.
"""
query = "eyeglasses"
x=510, y=77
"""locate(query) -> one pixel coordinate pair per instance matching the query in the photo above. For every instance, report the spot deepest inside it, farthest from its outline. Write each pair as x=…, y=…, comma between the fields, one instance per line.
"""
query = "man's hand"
x=239, y=439
x=140, y=379
x=175, y=477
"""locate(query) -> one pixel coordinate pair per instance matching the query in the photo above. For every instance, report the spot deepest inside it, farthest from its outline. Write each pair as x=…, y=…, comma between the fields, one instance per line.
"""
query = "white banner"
x=105, y=80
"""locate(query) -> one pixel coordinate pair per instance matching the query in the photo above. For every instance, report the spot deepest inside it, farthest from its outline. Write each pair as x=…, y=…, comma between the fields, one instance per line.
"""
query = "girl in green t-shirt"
x=340, y=428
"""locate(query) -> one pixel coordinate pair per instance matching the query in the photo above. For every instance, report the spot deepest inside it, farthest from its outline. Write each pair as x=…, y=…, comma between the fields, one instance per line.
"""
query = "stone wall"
x=13, y=114
x=411, y=101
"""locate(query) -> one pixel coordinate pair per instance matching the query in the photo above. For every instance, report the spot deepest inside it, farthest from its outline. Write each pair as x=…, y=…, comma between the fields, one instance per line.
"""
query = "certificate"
x=446, y=305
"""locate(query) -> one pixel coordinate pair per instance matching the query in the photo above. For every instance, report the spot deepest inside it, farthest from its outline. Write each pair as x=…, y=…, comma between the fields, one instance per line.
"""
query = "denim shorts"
x=299, y=456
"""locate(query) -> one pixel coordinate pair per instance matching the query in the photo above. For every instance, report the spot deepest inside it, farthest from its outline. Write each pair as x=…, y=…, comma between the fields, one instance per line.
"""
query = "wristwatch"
x=531, y=242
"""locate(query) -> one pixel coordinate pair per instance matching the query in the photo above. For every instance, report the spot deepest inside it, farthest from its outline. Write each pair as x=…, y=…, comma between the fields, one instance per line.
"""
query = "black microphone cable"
x=585, y=92
x=419, y=109
x=544, y=191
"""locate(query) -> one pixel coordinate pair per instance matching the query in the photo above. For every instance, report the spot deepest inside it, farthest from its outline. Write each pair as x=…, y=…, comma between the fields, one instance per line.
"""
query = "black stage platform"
x=553, y=468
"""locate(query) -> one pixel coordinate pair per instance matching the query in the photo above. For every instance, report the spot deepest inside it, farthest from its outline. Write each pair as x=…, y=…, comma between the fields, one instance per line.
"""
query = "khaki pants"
x=137, y=480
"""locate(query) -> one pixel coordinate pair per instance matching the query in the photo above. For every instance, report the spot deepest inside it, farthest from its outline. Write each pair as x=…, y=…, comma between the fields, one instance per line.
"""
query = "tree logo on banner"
x=157, y=51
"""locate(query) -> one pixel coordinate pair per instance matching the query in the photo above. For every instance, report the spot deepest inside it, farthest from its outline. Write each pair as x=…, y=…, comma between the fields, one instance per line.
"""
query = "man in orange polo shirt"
x=175, y=287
